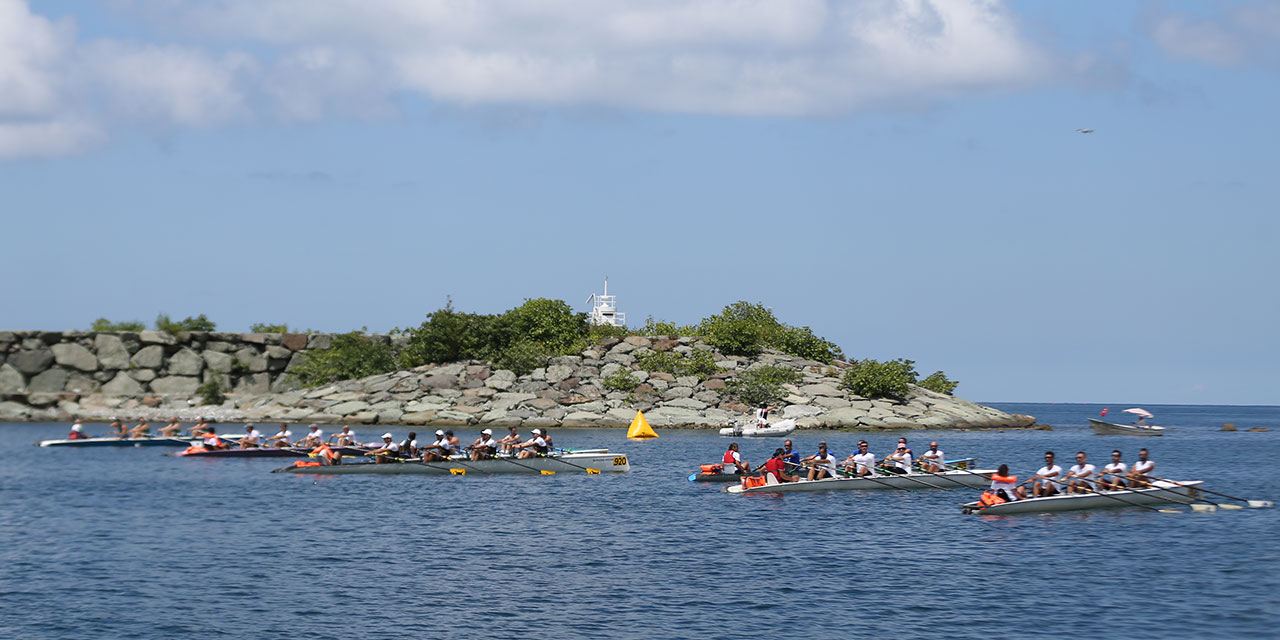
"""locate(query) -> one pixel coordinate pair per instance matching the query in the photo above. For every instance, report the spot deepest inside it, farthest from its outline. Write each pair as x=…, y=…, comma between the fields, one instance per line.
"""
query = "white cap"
x=487, y=432
x=439, y=432
x=387, y=435
x=537, y=431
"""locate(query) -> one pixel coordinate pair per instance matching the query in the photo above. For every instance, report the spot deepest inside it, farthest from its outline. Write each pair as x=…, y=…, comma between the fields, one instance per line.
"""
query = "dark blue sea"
x=132, y=543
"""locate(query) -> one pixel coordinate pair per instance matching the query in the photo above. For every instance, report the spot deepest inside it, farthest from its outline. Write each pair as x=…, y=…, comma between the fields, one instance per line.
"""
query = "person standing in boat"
x=172, y=429
x=142, y=430
x=1113, y=473
x=1043, y=483
x=777, y=465
x=77, y=430
x=282, y=438
x=484, y=447
x=899, y=461
x=1138, y=474
x=861, y=462
x=821, y=464
x=931, y=460
x=732, y=460
x=762, y=415
x=533, y=448
x=1080, y=476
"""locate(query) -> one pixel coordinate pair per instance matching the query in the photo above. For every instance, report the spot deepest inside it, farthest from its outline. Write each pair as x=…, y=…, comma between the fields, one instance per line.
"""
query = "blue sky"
x=904, y=177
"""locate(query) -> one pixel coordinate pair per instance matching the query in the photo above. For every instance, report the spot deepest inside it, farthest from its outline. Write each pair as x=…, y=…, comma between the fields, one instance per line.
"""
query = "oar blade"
x=547, y=472
x=593, y=472
x=1229, y=507
x=1261, y=504
x=1203, y=507
x=693, y=477
x=458, y=472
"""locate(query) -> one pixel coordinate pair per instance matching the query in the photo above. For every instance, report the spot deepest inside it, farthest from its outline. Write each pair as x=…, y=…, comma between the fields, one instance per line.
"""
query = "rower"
x=546, y=435
x=435, y=450
x=251, y=439
x=282, y=438
x=1043, y=482
x=452, y=445
x=902, y=442
x=732, y=460
x=861, y=462
x=211, y=439
x=345, y=437
x=199, y=427
x=1005, y=485
x=789, y=455
x=1113, y=472
x=77, y=430
x=1139, y=474
x=1080, y=476
x=533, y=448
x=484, y=447
x=899, y=461
x=172, y=429
x=509, y=441
x=821, y=464
x=312, y=439
x=931, y=460
x=118, y=429
x=777, y=465
x=408, y=446
x=386, y=452
x=142, y=430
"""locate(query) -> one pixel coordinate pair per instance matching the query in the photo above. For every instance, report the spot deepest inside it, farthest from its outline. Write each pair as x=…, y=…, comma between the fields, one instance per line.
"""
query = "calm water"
x=130, y=543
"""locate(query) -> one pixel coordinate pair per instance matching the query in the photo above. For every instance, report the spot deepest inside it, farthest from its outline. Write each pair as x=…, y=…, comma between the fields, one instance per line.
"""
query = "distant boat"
x=1103, y=428
x=1084, y=130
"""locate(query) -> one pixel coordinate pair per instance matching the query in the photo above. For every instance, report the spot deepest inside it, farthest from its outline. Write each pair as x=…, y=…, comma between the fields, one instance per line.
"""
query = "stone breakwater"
x=98, y=376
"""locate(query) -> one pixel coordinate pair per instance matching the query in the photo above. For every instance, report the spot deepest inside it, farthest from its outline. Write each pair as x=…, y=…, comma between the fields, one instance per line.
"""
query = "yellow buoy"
x=640, y=428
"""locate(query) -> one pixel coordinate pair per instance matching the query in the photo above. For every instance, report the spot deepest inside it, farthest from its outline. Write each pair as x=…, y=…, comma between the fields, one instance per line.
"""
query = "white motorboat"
x=1104, y=428
x=1160, y=492
x=578, y=461
x=753, y=430
x=975, y=479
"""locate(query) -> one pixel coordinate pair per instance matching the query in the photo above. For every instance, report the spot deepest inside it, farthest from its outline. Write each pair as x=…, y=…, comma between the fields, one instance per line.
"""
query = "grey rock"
x=31, y=361
x=149, y=357
x=347, y=408
x=558, y=372
x=217, y=361
x=673, y=416
x=48, y=381
x=798, y=411
x=319, y=341
x=828, y=390
x=832, y=403
x=686, y=403
x=220, y=347
x=185, y=363
x=75, y=356
x=501, y=379
x=176, y=385
x=250, y=358
x=11, y=379
x=622, y=348
x=122, y=385
x=80, y=383
x=279, y=353
x=677, y=392
x=439, y=382
x=111, y=352
x=687, y=381
x=253, y=383
x=142, y=375
x=157, y=337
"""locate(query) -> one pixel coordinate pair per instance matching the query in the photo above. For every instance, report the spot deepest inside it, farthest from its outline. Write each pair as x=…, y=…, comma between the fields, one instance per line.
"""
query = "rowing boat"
x=264, y=452
x=753, y=430
x=947, y=479
x=118, y=442
x=1161, y=492
x=566, y=462
x=1104, y=428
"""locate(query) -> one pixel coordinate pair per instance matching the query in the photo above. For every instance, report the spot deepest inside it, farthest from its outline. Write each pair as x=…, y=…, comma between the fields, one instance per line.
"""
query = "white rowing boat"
x=113, y=441
x=1160, y=493
x=1104, y=428
x=977, y=478
x=753, y=430
x=577, y=461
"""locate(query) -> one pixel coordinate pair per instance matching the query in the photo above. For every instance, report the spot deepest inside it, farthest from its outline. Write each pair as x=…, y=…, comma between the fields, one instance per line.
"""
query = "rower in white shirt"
x=435, y=450
x=821, y=464
x=484, y=446
x=1044, y=481
x=899, y=461
x=1140, y=473
x=861, y=462
x=345, y=438
x=251, y=439
x=282, y=438
x=1080, y=476
x=386, y=452
x=931, y=460
x=535, y=447
x=1113, y=473
x=312, y=439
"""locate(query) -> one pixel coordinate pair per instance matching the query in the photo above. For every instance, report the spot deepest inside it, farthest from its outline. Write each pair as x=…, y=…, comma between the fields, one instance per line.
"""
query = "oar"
x=854, y=475
x=561, y=460
x=927, y=484
x=1254, y=504
x=1133, y=504
x=544, y=472
x=1195, y=506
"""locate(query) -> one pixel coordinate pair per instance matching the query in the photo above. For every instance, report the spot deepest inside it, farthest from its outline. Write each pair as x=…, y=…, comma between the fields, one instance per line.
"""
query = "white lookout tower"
x=605, y=311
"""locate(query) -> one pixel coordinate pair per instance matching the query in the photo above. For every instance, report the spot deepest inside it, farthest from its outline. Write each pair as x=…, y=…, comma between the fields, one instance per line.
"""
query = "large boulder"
x=251, y=359
x=219, y=362
x=11, y=379
x=111, y=351
x=31, y=361
x=149, y=357
x=185, y=363
x=75, y=356
x=175, y=385
x=49, y=380
x=122, y=385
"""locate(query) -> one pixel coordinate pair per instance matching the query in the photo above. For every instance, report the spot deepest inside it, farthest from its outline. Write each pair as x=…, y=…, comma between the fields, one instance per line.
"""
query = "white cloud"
x=1239, y=35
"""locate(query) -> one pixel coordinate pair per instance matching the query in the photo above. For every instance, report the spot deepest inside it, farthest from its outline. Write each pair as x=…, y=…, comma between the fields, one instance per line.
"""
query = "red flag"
x=1104, y=410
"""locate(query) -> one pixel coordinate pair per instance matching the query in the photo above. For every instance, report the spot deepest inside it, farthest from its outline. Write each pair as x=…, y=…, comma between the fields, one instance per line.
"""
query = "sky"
x=905, y=177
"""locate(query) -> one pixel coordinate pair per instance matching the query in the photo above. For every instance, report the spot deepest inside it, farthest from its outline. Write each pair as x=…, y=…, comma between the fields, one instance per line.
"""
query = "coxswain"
x=346, y=438
x=533, y=448
x=484, y=447
x=409, y=446
x=118, y=429
x=861, y=462
x=312, y=439
x=251, y=439
x=172, y=429
x=732, y=460
x=821, y=464
x=142, y=430
x=1140, y=472
x=777, y=465
x=1080, y=476
x=211, y=439
x=1113, y=473
x=386, y=452
x=281, y=439
x=899, y=461
x=762, y=415
x=1045, y=482
x=510, y=440
x=931, y=460
x=199, y=427
x=77, y=430
x=1005, y=485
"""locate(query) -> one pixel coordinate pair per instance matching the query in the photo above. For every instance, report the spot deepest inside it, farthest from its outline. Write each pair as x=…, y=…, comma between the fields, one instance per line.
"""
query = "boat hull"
x=118, y=442
x=774, y=430
x=263, y=452
x=1103, y=428
x=946, y=479
x=568, y=463
x=1161, y=493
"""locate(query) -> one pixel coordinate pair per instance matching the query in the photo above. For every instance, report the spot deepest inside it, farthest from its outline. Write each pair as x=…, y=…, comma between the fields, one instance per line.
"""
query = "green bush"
x=103, y=324
x=522, y=357
x=699, y=363
x=746, y=329
x=551, y=324
x=621, y=380
x=352, y=355
x=211, y=392
x=762, y=385
x=261, y=327
x=801, y=342
x=873, y=379
x=198, y=323
x=448, y=336
x=938, y=382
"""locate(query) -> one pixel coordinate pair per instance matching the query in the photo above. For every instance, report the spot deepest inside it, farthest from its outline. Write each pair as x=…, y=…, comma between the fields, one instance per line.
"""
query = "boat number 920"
x=619, y=461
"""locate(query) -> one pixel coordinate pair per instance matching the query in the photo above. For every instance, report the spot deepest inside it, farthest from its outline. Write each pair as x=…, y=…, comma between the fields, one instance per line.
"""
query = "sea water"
x=133, y=543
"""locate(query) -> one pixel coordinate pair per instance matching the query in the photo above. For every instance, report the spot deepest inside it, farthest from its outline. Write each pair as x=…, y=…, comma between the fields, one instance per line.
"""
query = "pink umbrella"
x=1141, y=412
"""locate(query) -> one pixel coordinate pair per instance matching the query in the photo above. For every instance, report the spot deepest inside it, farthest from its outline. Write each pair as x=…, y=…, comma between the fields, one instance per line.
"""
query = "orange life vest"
x=753, y=481
x=306, y=463
x=989, y=498
x=712, y=469
x=1009, y=479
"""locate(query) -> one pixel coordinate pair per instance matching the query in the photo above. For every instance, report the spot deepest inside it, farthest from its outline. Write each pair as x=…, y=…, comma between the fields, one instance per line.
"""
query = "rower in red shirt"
x=778, y=466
